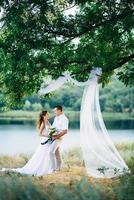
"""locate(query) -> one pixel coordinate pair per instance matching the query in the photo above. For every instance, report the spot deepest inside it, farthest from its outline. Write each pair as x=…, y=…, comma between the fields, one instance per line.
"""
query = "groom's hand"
x=54, y=137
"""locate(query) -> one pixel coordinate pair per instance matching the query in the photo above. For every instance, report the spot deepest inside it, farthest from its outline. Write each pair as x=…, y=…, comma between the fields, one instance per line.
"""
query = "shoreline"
x=33, y=115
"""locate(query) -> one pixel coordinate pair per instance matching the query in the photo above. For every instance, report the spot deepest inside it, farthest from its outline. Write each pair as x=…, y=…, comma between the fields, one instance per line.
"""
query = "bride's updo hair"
x=41, y=118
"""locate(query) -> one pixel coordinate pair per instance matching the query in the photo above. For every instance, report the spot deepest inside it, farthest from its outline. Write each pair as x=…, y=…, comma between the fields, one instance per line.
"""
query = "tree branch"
x=68, y=62
x=125, y=59
x=91, y=27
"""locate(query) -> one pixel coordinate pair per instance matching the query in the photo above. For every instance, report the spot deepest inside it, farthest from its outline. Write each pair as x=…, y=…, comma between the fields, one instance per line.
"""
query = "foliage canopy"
x=38, y=38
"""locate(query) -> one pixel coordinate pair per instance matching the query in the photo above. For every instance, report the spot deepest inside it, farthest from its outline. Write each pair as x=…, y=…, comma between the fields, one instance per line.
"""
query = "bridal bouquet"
x=52, y=132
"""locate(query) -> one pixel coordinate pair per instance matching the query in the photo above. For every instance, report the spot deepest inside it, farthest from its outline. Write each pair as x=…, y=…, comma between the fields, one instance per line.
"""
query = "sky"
x=1, y=12
x=71, y=11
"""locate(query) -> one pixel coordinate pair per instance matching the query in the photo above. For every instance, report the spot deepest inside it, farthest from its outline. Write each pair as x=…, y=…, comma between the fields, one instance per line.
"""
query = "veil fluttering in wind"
x=102, y=160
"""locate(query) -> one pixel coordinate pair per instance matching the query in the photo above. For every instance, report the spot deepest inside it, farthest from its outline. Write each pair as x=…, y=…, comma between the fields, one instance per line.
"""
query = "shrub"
x=125, y=190
x=14, y=187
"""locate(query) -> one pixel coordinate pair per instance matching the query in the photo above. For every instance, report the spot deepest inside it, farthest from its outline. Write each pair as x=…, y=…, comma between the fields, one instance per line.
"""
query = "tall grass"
x=15, y=187
x=71, y=183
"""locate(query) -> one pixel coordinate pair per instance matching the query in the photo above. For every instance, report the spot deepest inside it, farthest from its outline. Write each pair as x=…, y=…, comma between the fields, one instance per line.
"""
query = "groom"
x=61, y=124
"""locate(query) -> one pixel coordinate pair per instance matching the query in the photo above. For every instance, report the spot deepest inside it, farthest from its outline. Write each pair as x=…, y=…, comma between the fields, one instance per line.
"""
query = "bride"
x=40, y=163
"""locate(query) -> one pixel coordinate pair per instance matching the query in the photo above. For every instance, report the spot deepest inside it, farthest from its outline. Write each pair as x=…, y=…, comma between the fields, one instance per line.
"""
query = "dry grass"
x=73, y=170
x=70, y=182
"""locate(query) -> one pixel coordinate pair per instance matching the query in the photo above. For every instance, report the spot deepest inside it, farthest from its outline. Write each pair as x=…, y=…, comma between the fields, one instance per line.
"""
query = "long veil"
x=102, y=160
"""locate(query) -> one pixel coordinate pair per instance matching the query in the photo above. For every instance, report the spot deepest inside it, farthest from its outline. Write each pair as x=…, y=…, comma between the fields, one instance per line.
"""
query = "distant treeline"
x=115, y=97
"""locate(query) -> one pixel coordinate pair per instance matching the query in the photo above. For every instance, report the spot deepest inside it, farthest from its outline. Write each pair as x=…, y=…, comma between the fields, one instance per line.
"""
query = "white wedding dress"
x=40, y=163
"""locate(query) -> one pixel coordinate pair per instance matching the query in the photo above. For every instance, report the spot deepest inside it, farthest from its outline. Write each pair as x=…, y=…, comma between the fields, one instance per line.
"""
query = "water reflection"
x=74, y=124
x=120, y=124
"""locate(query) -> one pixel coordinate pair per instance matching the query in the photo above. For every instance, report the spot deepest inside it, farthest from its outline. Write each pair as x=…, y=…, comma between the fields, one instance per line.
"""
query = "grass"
x=118, y=116
x=73, y=163
x=19, y=114
x=71, y=158
x=70, y=183
x=32, y=115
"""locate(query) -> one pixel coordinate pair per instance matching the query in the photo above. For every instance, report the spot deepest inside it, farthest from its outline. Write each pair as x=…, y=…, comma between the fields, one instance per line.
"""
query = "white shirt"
x=61, y=123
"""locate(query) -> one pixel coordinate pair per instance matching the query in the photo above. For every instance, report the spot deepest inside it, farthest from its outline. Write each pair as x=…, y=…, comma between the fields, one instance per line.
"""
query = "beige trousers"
x=58, y=158
x=55, y=156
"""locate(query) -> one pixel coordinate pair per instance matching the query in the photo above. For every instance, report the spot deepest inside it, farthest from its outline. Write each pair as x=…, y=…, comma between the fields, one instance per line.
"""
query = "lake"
x=21, y=136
